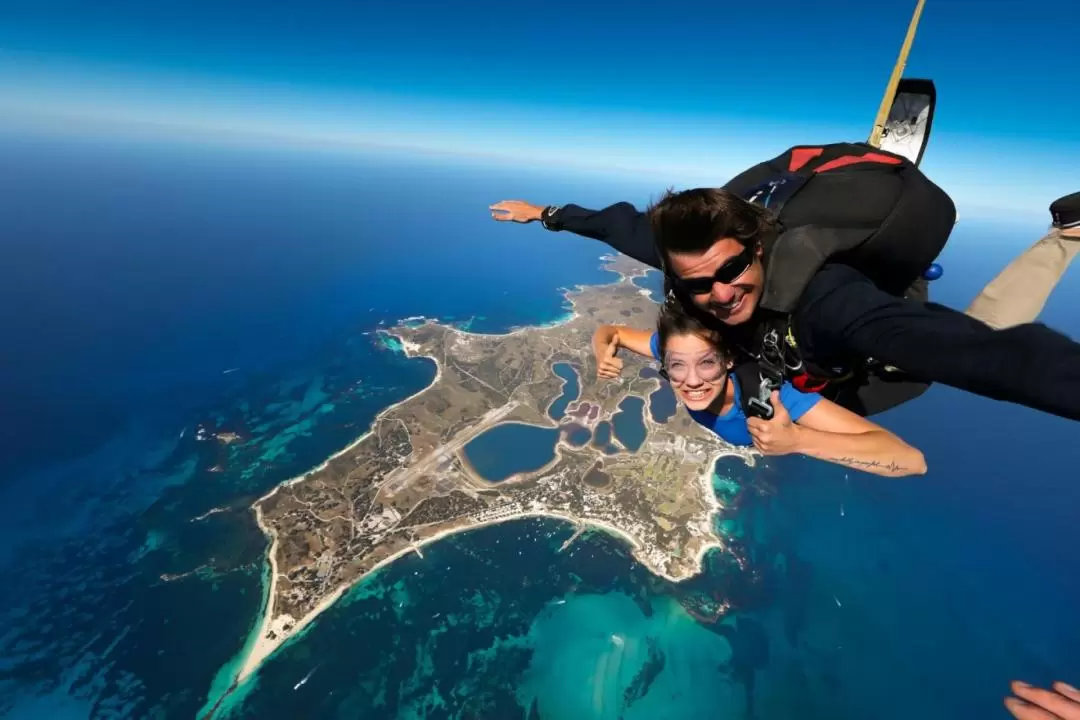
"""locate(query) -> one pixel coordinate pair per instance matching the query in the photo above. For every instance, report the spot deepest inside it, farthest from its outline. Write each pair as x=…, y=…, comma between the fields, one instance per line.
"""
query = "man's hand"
x=517, y=211
x=607, y=365
x=778, y=436
x=1061, y=703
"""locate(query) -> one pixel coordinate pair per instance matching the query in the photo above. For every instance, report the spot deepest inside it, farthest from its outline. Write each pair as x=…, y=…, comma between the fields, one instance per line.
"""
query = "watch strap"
x=549, y=219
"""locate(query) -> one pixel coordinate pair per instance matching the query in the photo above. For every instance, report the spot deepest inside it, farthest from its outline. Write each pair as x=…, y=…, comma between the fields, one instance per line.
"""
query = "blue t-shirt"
x=731, y=426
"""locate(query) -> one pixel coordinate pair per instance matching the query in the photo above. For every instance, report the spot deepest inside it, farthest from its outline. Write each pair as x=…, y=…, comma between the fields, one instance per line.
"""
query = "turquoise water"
x=852, y=596
x=605, y=656
x=184, y=289
x=510, y=448
x=570, y=392
x=844, y=590
x=629, y=423
x=595, y=635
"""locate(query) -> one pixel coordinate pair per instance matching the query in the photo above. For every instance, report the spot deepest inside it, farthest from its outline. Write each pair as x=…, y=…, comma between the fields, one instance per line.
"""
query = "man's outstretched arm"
x=842, y=315
x=621, y=225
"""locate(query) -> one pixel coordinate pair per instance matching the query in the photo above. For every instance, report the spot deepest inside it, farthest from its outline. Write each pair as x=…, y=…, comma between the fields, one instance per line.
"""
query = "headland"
x=407, y=482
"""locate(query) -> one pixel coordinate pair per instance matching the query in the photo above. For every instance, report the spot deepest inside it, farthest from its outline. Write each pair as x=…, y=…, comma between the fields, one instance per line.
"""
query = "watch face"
x=552, y=209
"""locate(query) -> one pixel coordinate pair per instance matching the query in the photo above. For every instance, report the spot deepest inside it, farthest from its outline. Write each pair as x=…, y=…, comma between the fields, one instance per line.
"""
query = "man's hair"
x=692, y=220
x=674, y=319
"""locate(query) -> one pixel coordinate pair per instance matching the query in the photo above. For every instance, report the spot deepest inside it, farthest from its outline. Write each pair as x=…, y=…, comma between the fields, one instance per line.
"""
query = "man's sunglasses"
x=727, y=273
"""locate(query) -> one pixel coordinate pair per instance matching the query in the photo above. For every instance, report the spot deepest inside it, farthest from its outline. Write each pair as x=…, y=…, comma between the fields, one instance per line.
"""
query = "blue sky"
x=689, y=94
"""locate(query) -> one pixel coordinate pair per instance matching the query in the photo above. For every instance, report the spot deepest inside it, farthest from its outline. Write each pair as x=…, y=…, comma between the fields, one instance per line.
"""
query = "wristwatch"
x=547, y=215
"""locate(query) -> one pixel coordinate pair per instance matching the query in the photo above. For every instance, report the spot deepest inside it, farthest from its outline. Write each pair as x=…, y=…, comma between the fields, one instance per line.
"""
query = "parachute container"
x=907, y=129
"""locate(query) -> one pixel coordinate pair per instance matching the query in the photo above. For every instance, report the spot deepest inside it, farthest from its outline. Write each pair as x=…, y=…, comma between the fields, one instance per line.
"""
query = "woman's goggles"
x=708, y=368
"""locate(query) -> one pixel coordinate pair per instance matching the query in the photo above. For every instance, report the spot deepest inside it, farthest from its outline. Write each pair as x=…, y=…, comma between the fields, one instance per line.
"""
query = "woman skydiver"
x=696, y=364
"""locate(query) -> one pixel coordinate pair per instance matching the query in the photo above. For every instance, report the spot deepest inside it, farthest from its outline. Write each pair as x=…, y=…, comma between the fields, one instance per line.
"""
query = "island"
x=410, y=481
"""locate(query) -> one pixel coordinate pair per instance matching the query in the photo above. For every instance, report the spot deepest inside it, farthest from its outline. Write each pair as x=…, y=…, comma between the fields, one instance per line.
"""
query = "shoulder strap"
x=796, y=255
x=775, y=192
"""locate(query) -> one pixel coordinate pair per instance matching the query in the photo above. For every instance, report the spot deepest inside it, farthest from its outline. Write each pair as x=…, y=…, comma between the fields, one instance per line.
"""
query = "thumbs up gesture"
x=607, y=365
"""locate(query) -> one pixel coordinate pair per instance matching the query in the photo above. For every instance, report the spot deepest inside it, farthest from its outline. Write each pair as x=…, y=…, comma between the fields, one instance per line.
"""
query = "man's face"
x=732, y=302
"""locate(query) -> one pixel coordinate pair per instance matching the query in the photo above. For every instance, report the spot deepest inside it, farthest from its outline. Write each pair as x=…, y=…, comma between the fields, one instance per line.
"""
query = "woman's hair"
x=674, y=319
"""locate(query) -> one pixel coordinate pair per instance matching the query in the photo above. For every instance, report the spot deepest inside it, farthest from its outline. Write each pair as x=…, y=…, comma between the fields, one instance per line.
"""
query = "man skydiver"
x=845, y=233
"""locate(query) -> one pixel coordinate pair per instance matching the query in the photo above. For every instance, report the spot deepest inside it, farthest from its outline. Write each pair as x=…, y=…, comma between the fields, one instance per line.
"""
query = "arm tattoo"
x=891, y=466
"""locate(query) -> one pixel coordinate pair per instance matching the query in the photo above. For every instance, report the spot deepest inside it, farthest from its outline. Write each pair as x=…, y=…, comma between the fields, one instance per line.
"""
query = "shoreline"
x=258, y=653
x=263, y=648
x=570, y=316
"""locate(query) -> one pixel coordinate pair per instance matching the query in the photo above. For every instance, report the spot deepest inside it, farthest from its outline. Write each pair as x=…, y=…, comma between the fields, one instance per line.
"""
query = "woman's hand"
x=608, y=339
x=778, y=435
x=607, y=365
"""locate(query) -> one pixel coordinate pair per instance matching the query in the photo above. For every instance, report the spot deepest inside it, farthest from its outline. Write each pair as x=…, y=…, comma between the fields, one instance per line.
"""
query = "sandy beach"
x=263, y=647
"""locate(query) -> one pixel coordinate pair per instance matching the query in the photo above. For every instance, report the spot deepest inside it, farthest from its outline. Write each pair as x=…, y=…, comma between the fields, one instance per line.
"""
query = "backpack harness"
x=805, y=248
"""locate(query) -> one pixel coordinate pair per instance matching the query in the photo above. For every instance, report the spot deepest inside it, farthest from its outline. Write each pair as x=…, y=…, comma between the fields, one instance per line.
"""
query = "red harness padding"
x=804, y=382
x=801, y=156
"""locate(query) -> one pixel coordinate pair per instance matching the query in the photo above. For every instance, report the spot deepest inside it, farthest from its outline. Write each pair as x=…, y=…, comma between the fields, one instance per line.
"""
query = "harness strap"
x=755, y=389
x=792, y=258
x=775, y=359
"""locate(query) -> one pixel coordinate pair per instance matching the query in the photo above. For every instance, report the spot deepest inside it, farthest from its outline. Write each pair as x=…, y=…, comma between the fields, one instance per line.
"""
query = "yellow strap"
x=791, y=337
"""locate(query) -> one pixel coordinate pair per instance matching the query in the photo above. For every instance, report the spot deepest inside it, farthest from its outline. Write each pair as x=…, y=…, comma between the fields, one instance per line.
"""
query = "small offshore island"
x=409, y=480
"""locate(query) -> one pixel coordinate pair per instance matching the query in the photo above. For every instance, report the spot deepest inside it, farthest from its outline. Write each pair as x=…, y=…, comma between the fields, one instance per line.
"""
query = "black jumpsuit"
x=843, y=318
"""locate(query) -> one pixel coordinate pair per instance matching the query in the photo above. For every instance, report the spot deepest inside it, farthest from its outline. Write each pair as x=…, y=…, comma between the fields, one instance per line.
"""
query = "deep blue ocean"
x=148, y=291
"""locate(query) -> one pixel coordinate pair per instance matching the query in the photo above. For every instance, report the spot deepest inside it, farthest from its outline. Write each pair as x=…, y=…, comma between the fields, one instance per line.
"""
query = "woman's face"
x=698, y=373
